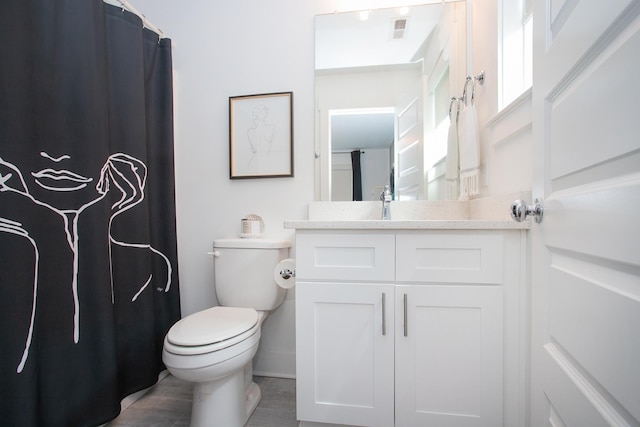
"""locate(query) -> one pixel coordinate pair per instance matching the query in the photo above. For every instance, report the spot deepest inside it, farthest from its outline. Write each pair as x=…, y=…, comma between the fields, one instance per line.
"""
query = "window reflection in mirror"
x=401, y=66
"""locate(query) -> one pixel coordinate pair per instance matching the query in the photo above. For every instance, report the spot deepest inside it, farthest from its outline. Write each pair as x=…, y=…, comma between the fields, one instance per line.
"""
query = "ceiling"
x=343, y=40
x=361, y=130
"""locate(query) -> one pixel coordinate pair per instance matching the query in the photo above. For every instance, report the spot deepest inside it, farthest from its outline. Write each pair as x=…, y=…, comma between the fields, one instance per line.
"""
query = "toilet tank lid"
x=252, y=243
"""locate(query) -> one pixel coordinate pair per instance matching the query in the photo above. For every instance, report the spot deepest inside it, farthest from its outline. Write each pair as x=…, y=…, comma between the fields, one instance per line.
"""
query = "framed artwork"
x=261, y=135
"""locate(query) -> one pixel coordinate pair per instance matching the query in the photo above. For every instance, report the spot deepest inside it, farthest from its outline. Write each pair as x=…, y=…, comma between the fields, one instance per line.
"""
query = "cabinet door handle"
x=405, y=315
x=384, y=314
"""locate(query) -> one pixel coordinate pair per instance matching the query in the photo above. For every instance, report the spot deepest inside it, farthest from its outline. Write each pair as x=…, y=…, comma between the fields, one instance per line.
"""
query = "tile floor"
x=168, y=404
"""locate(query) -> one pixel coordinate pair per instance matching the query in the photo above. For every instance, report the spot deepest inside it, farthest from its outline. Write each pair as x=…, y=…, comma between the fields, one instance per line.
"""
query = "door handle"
x=520, y=210
x=384, y=314
x=405, y=316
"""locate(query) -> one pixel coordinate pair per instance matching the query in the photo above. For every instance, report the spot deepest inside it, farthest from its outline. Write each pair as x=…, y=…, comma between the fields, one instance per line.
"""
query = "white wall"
x=240, y=47
x=376, y=172
x=224, y=49
x=506, y=135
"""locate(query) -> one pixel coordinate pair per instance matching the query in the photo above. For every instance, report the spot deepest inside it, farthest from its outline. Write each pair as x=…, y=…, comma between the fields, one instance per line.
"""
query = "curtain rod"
x=125, y=4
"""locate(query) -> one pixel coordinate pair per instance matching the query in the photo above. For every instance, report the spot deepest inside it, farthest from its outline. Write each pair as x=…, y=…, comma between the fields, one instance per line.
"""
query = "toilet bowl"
x=214, y=348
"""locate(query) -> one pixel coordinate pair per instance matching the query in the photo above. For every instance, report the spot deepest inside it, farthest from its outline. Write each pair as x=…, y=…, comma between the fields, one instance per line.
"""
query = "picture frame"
x=261, y=135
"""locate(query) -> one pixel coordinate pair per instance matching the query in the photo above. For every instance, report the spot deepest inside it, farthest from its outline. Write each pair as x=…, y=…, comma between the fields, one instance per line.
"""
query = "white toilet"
x=214, y=348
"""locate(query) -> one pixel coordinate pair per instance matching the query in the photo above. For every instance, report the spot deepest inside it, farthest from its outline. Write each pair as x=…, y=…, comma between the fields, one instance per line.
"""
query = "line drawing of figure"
x=262, y=133
x=120, y=172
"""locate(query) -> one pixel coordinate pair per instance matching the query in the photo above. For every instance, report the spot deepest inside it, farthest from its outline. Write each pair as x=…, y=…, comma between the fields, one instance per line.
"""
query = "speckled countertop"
x=405, y=225
x=490, y=213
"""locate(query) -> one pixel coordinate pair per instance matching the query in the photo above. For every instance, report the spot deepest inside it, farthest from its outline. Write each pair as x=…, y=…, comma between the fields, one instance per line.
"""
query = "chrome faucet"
x=385, y=197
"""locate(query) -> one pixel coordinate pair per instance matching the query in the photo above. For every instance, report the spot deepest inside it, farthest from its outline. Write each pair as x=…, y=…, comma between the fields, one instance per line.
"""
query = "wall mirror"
x=384, y=79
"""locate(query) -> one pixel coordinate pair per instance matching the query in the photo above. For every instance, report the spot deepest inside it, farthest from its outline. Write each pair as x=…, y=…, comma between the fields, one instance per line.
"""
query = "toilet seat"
x=211, y=330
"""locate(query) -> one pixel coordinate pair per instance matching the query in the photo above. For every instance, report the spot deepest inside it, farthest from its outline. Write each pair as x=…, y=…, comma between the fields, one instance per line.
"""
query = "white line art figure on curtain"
x=120, y=172
x=262, y=134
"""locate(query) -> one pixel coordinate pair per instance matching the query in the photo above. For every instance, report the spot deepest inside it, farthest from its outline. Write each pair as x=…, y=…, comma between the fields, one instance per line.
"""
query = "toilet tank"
x=243, y=272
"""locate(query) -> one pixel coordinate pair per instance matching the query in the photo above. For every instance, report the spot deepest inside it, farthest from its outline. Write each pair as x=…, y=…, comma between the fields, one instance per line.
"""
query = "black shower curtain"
x=88, y=270
x=357, y=176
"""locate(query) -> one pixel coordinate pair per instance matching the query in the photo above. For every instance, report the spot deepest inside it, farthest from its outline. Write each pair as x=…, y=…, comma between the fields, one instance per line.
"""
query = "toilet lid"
x=212, y=325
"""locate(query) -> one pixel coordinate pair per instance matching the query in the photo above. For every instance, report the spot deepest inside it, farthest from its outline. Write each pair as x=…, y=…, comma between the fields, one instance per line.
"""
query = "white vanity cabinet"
x=410, y=327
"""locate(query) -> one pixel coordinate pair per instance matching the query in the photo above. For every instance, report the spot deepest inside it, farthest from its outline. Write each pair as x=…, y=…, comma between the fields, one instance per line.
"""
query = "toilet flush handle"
x=215, y=254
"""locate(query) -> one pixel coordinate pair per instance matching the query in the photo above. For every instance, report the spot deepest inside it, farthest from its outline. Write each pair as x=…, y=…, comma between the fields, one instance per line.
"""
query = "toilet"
x=214, y=348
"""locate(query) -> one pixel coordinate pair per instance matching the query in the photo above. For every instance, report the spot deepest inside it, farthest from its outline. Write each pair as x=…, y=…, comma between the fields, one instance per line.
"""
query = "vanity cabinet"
x=407, y=328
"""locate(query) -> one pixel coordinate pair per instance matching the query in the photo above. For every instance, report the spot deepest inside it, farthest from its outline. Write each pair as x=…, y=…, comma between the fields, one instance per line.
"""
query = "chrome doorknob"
x=520, y=210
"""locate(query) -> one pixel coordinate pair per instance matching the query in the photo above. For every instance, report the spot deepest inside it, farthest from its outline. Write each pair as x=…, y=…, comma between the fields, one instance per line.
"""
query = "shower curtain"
x=88, y=271
x=356, y=171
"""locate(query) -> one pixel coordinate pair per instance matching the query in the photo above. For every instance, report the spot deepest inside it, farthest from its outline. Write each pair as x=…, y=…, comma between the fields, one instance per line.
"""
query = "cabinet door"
x=344, y=353
x=449, y=356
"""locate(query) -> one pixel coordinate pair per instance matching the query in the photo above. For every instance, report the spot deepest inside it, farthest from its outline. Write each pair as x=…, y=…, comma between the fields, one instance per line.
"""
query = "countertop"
x=489, y=213
x=406, y=225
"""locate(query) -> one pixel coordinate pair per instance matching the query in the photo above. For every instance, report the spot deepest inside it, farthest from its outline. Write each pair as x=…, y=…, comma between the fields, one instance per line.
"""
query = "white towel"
x=453, y=163
x=469, y=146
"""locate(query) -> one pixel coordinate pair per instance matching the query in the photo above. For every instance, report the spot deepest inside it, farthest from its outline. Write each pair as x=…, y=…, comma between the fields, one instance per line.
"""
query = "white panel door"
x=344, y=346
x=586, y=251
x=449, y=356
x=409, y=148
